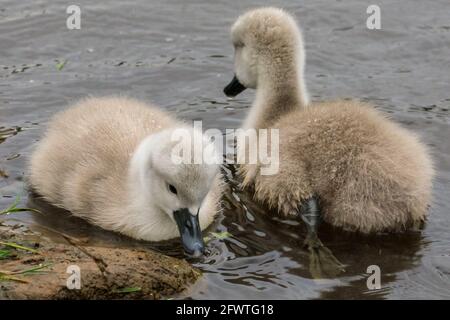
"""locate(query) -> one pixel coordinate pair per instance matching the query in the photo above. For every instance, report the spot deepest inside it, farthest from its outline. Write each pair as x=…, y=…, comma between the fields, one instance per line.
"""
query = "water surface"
x=177, y=54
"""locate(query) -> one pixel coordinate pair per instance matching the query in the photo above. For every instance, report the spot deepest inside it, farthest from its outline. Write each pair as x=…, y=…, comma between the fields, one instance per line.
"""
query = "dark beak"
x=190, y=232
x=233, y=88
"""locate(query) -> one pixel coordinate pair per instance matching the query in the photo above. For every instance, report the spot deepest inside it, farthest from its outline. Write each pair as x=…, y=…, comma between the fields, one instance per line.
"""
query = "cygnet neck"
x=280, y=90
x=139, y=191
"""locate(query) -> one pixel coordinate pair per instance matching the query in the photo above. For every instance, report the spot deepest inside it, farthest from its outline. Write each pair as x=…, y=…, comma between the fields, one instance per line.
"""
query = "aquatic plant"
x=15, y=275
x=128, y=290
x=13, y=208
x=217, y=235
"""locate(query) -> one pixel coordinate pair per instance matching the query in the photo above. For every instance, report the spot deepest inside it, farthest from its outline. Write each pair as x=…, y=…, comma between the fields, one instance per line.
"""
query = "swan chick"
x=109, y=160
x=363, y=171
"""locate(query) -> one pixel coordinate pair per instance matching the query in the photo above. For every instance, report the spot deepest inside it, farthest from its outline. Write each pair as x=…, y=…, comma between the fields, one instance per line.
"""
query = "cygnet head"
x=172, y=188
x=268, y=51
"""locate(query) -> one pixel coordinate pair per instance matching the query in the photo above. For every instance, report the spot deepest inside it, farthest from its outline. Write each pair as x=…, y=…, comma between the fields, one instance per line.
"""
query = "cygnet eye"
x=173, y=189
x=238, y=44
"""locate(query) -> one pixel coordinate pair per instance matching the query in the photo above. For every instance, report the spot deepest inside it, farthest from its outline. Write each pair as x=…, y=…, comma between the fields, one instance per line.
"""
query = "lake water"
x=177, y=54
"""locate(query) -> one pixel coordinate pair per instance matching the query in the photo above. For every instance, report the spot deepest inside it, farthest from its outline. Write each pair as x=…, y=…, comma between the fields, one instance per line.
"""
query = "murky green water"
x=177, y=54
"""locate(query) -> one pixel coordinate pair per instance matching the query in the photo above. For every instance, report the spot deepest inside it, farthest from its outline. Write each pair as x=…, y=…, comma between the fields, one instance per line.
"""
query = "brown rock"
x=105, y=272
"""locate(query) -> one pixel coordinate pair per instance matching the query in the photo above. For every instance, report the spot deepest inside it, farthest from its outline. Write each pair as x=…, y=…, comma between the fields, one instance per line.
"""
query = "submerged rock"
x=105, y=273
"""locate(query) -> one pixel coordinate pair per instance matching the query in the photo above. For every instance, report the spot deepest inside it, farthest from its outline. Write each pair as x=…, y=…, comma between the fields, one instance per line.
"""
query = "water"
x=177, y=54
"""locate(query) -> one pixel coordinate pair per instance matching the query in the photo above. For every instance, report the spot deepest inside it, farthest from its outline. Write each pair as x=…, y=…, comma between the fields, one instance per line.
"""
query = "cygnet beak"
x=234, y=88
x=190, y=232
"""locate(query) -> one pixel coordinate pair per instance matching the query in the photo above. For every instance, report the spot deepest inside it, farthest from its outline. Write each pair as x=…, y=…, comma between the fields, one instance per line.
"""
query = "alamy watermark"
x=373, y=22
x=74, y=280
x=73, y=21
x=241, y=146
x=374, y=280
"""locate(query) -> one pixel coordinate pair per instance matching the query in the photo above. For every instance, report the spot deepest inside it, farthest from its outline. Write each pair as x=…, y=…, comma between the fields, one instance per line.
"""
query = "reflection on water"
x=264, y=256
x=179, y=56
x=57, y=223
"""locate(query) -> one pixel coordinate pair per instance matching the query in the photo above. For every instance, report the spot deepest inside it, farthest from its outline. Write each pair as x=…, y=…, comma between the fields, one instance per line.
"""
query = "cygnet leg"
x=310, y=214
x=323, y=263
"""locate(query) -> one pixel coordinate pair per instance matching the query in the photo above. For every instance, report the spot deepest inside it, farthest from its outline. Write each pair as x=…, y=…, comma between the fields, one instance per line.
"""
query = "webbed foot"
x=322, y=262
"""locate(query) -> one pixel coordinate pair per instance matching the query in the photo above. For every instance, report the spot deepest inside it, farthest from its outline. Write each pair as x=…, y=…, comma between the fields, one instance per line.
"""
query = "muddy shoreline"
x=105, y=273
